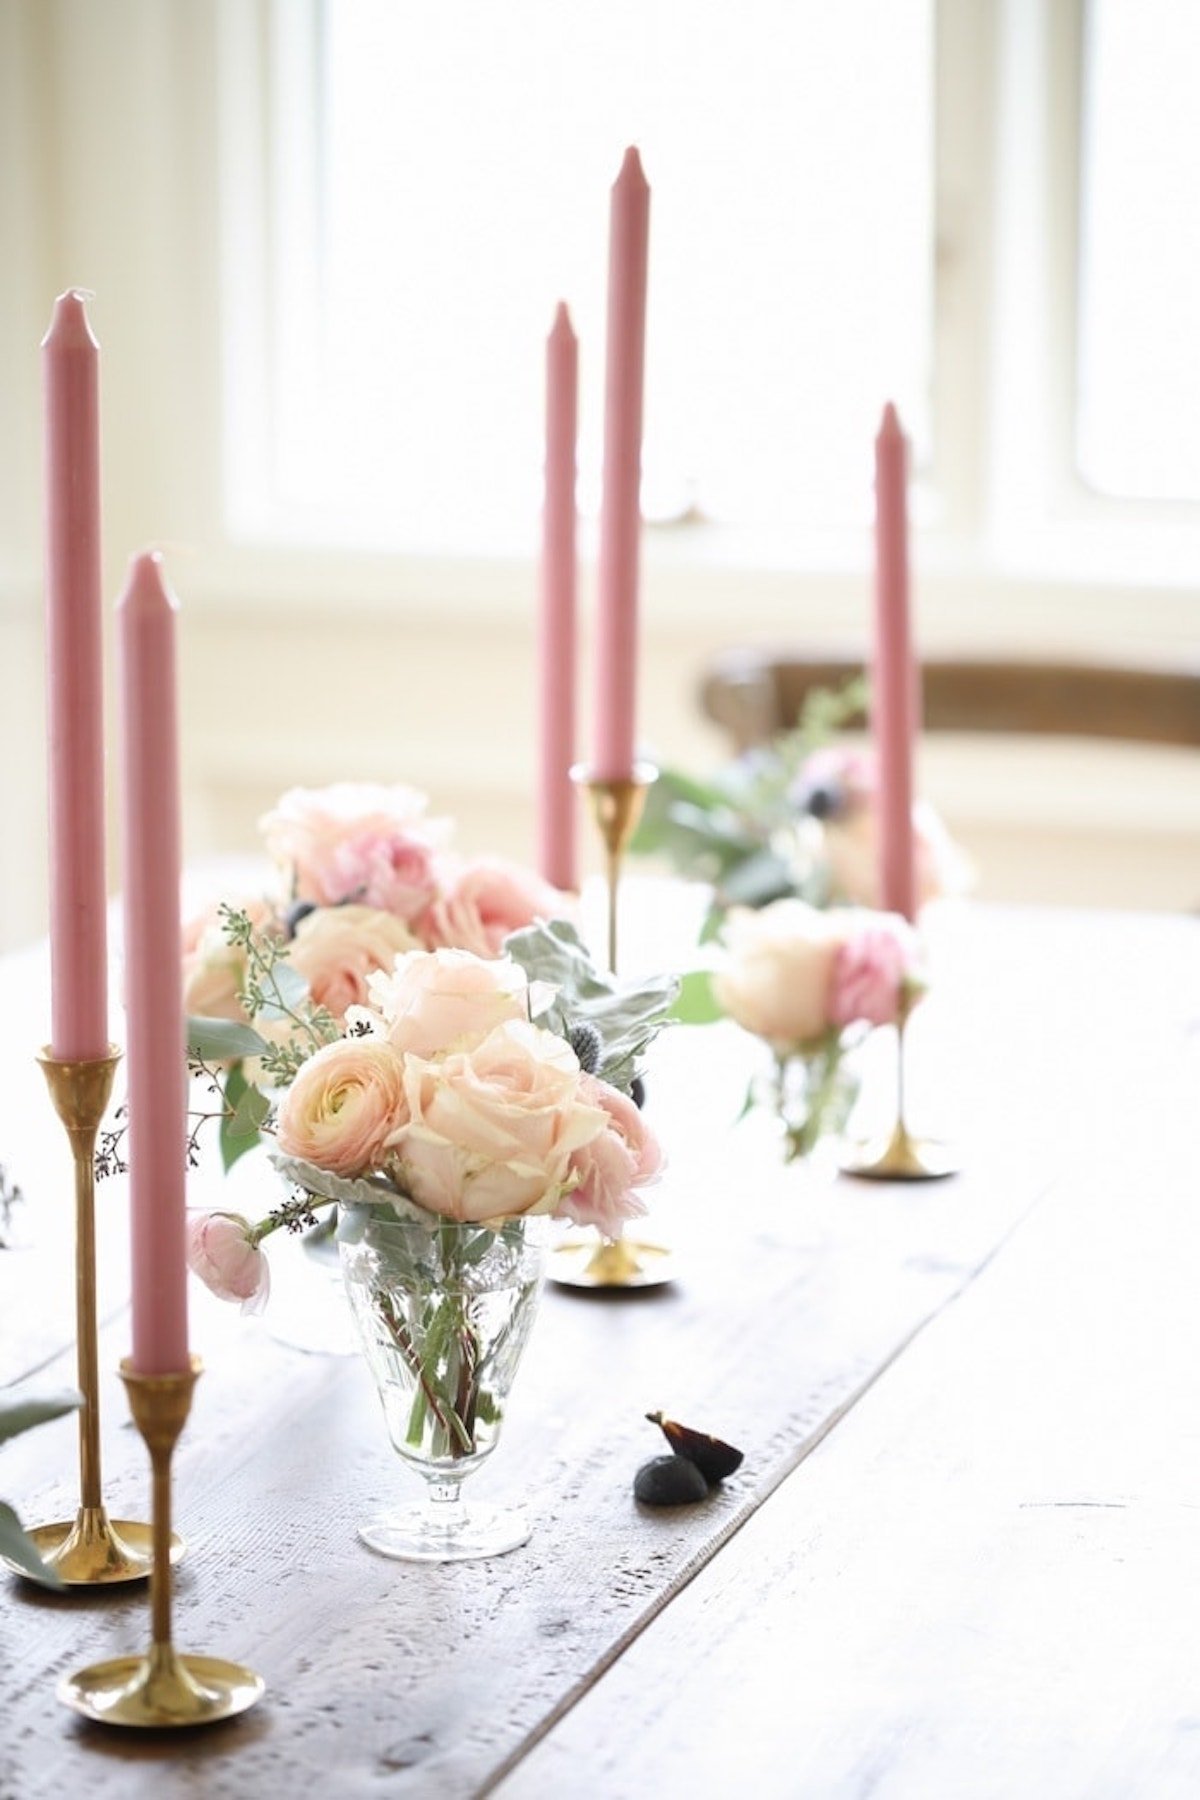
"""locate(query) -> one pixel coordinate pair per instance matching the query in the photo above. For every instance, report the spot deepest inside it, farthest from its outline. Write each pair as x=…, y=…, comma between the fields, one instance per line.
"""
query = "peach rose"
x=492, y=1130
x=355, y=841
x=221, y=1250
x=344, y=1106
x=338, y=948
x=776, y=976
x=214, y=970
x=482, y=901
x=625, y=1156
x=437, y=1001
x=876, y=954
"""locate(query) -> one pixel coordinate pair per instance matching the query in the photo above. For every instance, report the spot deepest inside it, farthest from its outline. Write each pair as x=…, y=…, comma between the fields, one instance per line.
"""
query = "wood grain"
x=795, y=1297
x=983, y=1583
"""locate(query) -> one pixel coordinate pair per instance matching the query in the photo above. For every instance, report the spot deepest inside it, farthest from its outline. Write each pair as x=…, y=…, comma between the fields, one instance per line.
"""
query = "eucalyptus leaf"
x=695, y=1003
x=246, y=1108
x=356, y=1191
x=284, y=992
x=628, y=1015
x=20, y=1412
x=763, y=877
x=220, y=1040
x=20, y=1549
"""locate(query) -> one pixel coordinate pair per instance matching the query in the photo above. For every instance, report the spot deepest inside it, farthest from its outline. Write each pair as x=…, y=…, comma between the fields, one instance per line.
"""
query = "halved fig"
x=714, y=1459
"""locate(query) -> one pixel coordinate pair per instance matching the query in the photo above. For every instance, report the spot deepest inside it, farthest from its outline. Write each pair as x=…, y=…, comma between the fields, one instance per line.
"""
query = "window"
x=1138, y=398
x=986, y=210
x=441, y=179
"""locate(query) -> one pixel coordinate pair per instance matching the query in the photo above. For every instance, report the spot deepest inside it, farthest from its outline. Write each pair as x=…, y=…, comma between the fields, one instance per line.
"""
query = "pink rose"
x=482, y=901
x=344, y=1106
x=850, y=844
x=872, y=961
x=353, y=841
x=221, y=1250
x=214, y=970
x=835, y=779
x=338, y=948
x=438, y=1001
x=625, y=1156
x=778, y=968
x=492, y=1130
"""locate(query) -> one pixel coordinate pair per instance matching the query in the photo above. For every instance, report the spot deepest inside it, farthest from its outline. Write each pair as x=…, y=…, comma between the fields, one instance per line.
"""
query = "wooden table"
x=962, y=1557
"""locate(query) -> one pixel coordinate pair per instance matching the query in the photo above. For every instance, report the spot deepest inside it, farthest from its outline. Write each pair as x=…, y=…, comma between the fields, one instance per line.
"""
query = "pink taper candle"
x=620, y=509
x=557, y=620
x=153, y=991
x=894, y=685
x=74, y=686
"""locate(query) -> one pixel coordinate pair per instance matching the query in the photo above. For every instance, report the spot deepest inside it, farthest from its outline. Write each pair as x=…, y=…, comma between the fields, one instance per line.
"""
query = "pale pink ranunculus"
x=357, y=841
x=492, y=1129
x=877, y=953
x=214, y=970
x=222, y=1252
x=850, y=845
x=480, y=902
x=626, y=1156
x=338, y=949
x=344, y=1106
x=777, y=970
x=437, y=1001
x=846, y=778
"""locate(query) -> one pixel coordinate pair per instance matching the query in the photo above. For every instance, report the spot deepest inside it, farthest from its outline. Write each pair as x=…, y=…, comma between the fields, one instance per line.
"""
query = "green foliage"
x=627, y=1015
x=246, y=1110
x=695, y=1003
x=737, y=830
x=221, y=1040
x=20, y=1412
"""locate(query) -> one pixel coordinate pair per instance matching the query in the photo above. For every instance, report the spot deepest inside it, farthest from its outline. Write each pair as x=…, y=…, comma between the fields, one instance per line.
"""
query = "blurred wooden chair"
x=753, y=694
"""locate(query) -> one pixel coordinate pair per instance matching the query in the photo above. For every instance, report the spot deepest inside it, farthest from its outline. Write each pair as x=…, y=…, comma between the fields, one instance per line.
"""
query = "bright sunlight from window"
x=465, y=155
x=1138, y=426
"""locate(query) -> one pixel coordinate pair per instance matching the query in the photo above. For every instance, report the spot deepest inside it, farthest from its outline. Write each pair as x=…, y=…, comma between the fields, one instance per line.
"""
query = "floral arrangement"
x=470, y=1089
x=812, y=983
x=363, y=875
x=466, y=1099
x=795, y=818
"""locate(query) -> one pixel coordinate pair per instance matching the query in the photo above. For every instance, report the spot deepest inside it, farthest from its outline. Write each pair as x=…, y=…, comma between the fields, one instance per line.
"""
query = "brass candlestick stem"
x=617, y=808
x=161, y=1688
x=90, y=1550
x=595, y=1262
x=902, y=1157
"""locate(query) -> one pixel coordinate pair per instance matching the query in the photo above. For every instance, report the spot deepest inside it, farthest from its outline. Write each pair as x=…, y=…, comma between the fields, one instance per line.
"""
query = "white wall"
x=302, y=668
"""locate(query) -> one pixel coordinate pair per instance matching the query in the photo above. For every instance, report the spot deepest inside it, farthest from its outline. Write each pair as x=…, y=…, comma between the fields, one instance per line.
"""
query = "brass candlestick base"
x=90, y=1550
x=161, y=1688
x=900, y=1156
x=596, y=1262
x=617, y=808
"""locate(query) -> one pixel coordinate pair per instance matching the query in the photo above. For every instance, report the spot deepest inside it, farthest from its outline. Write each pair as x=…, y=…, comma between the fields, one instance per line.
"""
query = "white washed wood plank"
x=983, y=1583
x=430, y=1679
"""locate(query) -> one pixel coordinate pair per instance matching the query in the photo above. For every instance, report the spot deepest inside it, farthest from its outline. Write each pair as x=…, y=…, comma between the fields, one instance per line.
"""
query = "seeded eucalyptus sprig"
x=275, y=991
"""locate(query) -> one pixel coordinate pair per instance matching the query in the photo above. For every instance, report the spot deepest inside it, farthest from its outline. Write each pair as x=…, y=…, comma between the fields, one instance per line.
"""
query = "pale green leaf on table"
x=20, y=1549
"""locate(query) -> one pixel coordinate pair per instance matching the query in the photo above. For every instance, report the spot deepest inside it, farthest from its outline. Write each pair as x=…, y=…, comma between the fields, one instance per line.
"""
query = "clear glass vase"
x=443, y=1313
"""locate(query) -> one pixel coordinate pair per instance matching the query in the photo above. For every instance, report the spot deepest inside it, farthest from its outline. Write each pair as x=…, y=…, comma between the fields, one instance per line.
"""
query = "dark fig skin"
x=714, y=1459
x=669, y=1481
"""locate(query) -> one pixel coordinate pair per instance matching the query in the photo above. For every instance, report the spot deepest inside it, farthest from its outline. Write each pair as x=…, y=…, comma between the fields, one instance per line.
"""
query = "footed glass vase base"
x=416, y=1533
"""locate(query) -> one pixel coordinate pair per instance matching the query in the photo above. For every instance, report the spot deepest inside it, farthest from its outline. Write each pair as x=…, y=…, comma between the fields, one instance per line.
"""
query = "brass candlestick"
x=161, y=1688
x=596, y=1262
x=617, y=808
x=902, y=1157
x=90, y=1550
